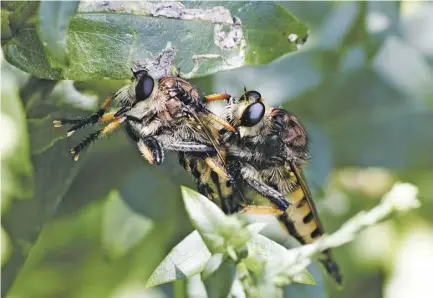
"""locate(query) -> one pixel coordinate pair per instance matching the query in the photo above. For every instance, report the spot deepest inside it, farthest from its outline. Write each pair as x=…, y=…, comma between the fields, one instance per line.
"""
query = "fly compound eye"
x=144, y=87
x=253, y=114
x=251, y=96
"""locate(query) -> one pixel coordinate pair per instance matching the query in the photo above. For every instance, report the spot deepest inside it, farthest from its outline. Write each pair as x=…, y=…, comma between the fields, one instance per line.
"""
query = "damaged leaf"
x=105, y=39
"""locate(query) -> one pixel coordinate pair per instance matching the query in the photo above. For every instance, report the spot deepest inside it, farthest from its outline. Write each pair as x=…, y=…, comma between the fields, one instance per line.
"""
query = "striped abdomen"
x=301, y=219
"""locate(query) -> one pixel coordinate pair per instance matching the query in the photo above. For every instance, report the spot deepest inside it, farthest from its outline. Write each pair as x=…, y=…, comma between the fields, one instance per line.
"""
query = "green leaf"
x=212, y=265
x=6, y=31
x=270, y=251
x=17, y=169
x=195, y=287
x=122, y=228
x=311, y=13
x=219, y=284
x=180, y=288
x=53, y=25
x=105, y=40
x=304, y=277
x=267, y=27
x=18, y=178
x=206, y=217
x=186, y=259
x=48, y=167
x=306, y=290
x=53, y=173
x=20, y=15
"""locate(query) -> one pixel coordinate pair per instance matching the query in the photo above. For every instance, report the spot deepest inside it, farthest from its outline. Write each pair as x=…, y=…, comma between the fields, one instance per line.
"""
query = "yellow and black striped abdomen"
x=305, y=222
x=302, y=220
x=212, y=181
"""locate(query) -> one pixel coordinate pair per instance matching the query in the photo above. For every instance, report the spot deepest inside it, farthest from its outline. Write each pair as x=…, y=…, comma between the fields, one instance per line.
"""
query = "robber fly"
x=159, y=114
x=267, y=155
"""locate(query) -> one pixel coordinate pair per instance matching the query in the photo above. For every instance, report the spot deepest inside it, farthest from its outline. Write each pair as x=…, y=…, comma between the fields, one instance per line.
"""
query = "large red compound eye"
x=253, y=114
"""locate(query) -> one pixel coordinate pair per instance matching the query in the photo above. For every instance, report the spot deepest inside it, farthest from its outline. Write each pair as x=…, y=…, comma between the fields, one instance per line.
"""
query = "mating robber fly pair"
x=252, y=150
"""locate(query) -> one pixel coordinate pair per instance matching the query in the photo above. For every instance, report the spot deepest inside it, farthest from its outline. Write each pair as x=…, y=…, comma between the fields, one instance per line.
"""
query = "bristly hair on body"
x=266, y=157
x=158, y=114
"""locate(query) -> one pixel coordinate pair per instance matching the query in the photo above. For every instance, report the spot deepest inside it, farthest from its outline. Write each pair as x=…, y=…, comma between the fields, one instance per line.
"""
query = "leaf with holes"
x=105, y=38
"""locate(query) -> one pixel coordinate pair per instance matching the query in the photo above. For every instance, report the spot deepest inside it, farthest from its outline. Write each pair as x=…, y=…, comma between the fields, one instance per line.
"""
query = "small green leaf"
x=186, y=259
x=206, y=217
x=306, y=290
x=53, y=25
x=254, y=264
x=270, y=251
x=212, y=265
x=219, y=284
x=305, y=277
x=232, y=253
x=122, y=227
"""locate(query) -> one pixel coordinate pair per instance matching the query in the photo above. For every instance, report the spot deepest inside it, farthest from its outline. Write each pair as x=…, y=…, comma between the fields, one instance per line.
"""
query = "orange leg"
x=97, y=117
x=255, y=209
x=107, y=103
x=217, y=97
x=96, y=136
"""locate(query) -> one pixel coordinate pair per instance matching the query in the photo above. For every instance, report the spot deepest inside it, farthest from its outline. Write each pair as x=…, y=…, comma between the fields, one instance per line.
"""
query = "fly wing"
x=212, y=138
x=302, y=220
x=303, y=214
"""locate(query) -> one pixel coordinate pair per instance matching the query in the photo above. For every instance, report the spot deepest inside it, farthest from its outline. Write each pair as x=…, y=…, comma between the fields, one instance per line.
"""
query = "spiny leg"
x=90, y=120
x=184, y=96
x=216, y=97
x=96, y=136
x=151, y=150
x=103, y=118
x=282, y=217
x=188, y=147
x=257, y=209
x=249, y=175
x=168, y=142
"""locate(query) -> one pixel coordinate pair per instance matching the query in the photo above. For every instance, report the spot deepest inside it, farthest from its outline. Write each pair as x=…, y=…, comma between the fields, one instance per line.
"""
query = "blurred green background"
x=362, y=84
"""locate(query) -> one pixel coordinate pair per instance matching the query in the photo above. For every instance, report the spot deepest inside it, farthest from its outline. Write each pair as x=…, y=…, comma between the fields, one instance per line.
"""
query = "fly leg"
x=96, y=136
x=250, y=176
x=149, y=146
x=189, y=147
x=253, y=209
x=168, y=142
x=151, y=150
x=96, y=117
x=200, y=172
